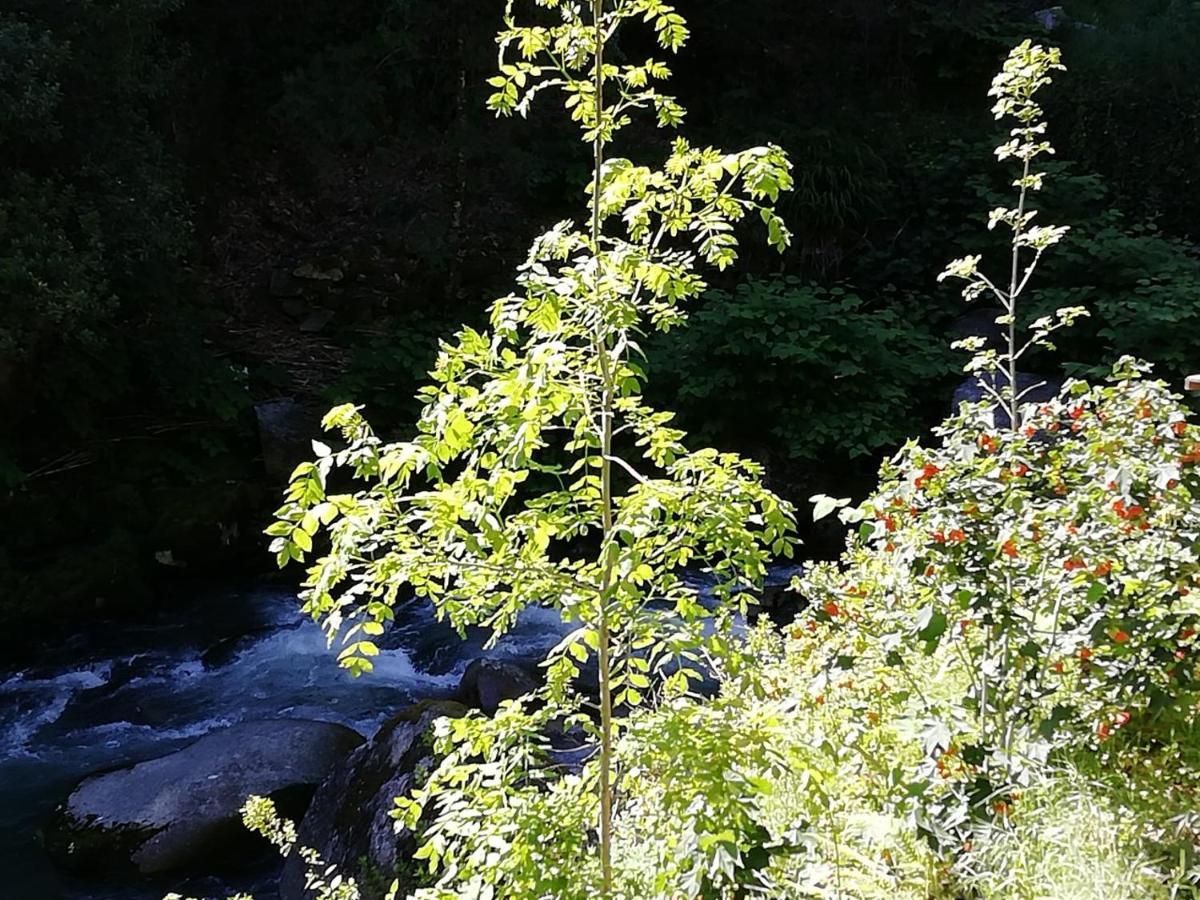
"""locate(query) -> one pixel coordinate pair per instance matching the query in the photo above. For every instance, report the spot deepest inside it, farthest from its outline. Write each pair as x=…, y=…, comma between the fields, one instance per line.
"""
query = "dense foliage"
x=993, y=691
x=777, y=363
x=169, y=165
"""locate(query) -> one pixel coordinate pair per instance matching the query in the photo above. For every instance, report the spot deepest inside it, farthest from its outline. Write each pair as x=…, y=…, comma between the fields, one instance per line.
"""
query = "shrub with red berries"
x=1072, y=553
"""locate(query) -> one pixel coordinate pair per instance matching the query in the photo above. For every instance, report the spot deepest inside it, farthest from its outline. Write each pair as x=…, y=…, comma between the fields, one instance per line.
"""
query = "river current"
x=127, y=691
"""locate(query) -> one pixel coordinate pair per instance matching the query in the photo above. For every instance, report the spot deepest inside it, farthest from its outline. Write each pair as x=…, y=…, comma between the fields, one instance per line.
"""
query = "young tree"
x=1028, y=69
x=539, y=476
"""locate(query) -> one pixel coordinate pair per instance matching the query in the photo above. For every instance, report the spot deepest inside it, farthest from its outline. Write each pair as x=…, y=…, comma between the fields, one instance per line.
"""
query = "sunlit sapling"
x=535, y=442
x=1026, y=71
x=1049, y=567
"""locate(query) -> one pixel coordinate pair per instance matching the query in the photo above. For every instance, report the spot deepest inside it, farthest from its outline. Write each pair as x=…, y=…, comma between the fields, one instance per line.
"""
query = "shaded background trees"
x=206, y=207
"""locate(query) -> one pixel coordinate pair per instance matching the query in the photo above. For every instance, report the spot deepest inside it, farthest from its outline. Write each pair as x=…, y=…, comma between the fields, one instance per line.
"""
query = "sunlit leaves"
x=538, y=57
x=539, y=477
x=1050, y=571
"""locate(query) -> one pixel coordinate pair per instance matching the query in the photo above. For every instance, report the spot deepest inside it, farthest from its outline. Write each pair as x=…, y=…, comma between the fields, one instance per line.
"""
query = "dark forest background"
x=218, y=218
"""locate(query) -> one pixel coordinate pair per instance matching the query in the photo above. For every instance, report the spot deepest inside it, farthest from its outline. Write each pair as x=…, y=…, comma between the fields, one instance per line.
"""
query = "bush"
x=788, y=359
x=1050, y=572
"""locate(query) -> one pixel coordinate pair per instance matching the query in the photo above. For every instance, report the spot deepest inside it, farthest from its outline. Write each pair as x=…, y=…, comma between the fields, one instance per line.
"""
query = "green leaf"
x=931, y=625
x=824, y=505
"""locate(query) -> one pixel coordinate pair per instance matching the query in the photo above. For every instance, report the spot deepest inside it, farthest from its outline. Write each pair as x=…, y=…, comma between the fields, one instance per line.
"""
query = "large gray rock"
x=348, y=822
x=182, y=809
x=488, y=682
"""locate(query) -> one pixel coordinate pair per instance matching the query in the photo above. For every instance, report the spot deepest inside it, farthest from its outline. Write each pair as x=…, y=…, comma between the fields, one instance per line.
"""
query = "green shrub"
x=818, y=371
x=1041, y=557
x=1050, y=571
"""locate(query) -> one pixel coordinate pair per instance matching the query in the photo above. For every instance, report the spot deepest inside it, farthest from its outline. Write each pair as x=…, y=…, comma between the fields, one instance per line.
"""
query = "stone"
x=348, y=821
x=488, y=682
x=316, y=320
x=310, y=272
x=182, y=810
x=283, y=285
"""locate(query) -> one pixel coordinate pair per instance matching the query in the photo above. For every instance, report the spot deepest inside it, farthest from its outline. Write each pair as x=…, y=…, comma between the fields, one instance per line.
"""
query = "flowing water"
x=132, y=691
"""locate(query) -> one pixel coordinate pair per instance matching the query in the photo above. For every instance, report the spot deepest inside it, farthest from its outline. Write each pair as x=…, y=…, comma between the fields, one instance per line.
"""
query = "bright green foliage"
x=1092, y=824
x=812, y=371
x=563, y=56
x=501, y=402
x=696, y=776
x=505, y=818
x=540, y=477
x=1045, y=565
x=1048, y=572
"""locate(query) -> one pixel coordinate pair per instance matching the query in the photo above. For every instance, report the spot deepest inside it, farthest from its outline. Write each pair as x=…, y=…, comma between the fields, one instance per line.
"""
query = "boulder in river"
x=488, y=682
x=348, y=822
x=183, y=810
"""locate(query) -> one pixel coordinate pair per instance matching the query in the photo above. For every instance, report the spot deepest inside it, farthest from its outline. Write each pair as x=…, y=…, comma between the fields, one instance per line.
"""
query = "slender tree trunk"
x=1014, y=284
x=606, y=497
x=1005, y=724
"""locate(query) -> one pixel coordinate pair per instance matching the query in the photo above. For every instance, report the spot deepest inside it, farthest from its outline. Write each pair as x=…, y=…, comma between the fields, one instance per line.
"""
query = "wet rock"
x=488, y=682
x=316, y=320
x=182, y=810
x=348, y=822
x=297, y=307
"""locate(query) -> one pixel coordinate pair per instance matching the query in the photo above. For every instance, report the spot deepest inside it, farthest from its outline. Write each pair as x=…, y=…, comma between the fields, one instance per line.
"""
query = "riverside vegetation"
x=992, y=693
x=168, y=166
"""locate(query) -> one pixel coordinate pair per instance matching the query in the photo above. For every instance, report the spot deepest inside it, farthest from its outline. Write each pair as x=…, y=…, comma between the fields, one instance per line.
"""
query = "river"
x=122, y=692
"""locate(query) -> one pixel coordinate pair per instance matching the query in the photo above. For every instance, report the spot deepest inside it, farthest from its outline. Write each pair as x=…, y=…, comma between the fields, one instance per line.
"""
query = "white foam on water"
x=396, y=667
x=122, y=730
x=38, y=702
x=17, y=735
